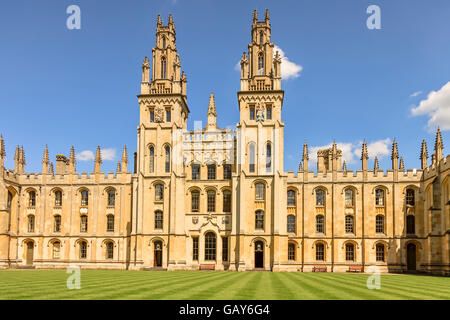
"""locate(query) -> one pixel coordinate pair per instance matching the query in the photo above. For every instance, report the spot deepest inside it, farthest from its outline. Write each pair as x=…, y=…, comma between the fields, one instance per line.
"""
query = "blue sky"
x=78, y=87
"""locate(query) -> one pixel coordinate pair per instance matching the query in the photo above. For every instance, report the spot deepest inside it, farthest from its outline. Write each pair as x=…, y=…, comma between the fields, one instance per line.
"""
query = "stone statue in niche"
x=259, y=112
x=159, y=114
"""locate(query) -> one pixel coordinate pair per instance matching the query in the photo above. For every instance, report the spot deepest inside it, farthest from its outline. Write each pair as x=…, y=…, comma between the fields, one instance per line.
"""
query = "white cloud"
x=88, y=155
x=108, y=154
x=289, y=69
x=351, y=152
x=85, y=155
x=437, y=107
x=415, y=94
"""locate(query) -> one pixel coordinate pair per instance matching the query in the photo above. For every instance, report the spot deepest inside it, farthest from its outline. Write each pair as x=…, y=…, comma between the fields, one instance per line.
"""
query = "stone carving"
x=259, y=112
x=159, y=114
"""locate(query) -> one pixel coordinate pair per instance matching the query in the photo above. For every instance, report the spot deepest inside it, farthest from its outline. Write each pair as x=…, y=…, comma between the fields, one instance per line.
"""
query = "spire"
x=212, y=115
x=376, y=165
x=364, y=155
x=344, y=167
x=119, y=168
x=124, y=166
x=305, y=157
x=438, y=145
x=424, y=155
x=394, y=155
x=45, y=161
x=98, y=160
x=401, y=167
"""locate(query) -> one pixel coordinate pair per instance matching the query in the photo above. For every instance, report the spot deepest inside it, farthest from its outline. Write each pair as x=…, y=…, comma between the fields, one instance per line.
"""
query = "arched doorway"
x=411, y=256
x=157, y=251
x=30, y=252
x=259, y=254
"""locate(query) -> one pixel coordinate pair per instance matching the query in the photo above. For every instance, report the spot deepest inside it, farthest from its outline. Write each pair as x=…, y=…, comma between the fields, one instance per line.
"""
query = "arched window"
x=211, y=201
x=164, y=42
x=111, y=198
x=259, y=191
x=349, y=225
x=261, y=37
x=291, y=223
x=410, y=224
x=84, y=198
x=83, y=250
x=320, y=223
x=320, y=198
x=110, y=223
x=109, y=250
x=30, y=223
x=291, y=252
x=159, y=192
x=349, y=252
x=226, y=201
x=380, y=255
x=152, y=159
x=260, y=64
x=31, y=198
x=57, y=223
x=167, y=160
x=58, y=198
x=259, y=219
x=56, y=250
x=410, y=197
x=268, y=157
x=349, y=200
x=320, y=252
x=83, y=223
x=252, y=158
x=211, y=172
x=379, y=224
x=210, y=246
x=158, y=219
x=379, y=197
x=195, y=201
x=291, y=198
x=163, y=68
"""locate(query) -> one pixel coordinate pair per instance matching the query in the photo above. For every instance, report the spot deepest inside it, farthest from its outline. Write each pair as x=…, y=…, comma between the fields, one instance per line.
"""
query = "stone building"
x=213, y=198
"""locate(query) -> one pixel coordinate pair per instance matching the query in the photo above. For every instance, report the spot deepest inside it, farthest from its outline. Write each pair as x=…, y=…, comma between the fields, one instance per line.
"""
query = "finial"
x=2, y=147
x=125, y=154
x=401, y=166
x=364, y=152
x=255, y=16
x=119, y=167
x=22, y=155
x=50, y=169
x=98, y=155
x=145, y=63
x=170, y=19
x=45, y=158
x=344, y=167
x=158, y=21
x=267, y=15
x=212, y=105
x=376, y=165
x=305, y=151
x=438, y=142
x=394, y=154
x=424, y=151
x=300, y=168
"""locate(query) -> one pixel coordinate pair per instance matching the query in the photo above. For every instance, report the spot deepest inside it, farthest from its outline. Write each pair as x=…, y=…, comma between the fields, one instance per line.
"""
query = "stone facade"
x=220, y=198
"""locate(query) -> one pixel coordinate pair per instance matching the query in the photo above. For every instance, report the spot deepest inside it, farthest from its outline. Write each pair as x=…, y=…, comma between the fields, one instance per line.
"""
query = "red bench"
x=207, y=267
x=355, y=269
x=319, y=269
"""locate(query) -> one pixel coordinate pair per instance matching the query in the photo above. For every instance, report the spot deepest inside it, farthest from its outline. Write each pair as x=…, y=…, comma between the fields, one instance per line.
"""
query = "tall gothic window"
x=410, y=197
x=261, y=37
x=260, y=64
x=226, y=201
x=109, y=250
x=164, y=42
x=252, y=157
x=268, y=157
x=259, y=191
x=167, y=162
x=290, y=223
x=211, y=201
x=58, y=198
x=210, y=246
x=195, y=200
x=379, y=197
x=110, y=223
x=348, y=197
x=320, y=198
x=259, y=219
x=291, y=198
x=111, y=198
x=31, y=198
x=159, y=192
x=84, y=197
x=163, y=68
x=152, y=159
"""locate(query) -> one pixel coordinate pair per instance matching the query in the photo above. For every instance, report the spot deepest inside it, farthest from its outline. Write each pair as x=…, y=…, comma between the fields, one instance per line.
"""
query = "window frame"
x=291, y=251
x=110, y=223
x=349, y=252
x=57, y=223
x=320, y=225
x=259, y=220
x=210, y=246
x=260, y=192
x=195, y=201
x=320, y=254
x=212, y=171
x=159, y=219
x=211, y=201
x=291, y=225
x=349, y=224
x=83, y=223
x=195, y=171
x=159, y=192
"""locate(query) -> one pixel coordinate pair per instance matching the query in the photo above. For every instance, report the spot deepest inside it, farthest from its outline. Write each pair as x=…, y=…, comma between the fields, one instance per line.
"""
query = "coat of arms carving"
x=259, y=112
x=159, y=113
x=194, y=220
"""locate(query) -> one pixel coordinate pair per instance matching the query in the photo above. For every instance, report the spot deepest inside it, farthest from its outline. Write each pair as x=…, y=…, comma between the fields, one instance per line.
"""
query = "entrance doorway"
x=157, y=254
x=411, y=256
x=259, y=254
x=30, y=252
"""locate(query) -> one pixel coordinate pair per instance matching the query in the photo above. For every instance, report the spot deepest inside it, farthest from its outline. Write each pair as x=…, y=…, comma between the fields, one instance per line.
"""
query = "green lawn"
x=104, y=284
